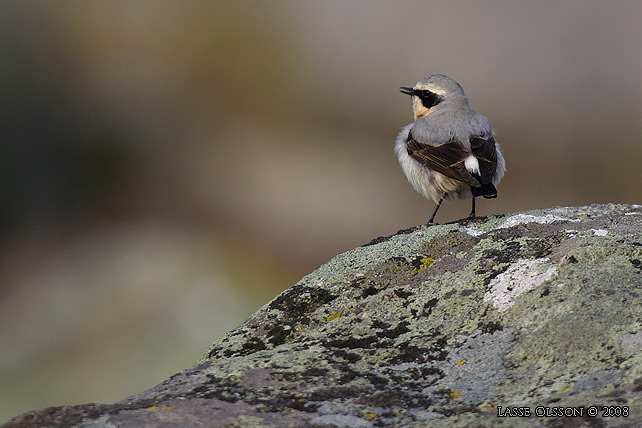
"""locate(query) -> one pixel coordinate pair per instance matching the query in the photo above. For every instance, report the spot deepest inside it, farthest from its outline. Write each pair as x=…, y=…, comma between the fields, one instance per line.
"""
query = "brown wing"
x=486, y=153
x=447, y=159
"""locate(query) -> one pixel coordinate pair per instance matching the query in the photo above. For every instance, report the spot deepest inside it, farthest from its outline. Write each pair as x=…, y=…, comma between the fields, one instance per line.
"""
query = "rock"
x=473, y=323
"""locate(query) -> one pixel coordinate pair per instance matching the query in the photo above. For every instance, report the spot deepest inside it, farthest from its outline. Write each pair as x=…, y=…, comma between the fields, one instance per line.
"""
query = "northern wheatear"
x=449, y=152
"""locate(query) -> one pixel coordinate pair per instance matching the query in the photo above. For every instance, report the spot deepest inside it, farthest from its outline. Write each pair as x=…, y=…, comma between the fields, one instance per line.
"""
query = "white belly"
x=431, y=184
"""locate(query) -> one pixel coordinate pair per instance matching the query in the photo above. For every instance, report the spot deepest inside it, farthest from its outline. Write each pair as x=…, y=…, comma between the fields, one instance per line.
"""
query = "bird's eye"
x=429, y=99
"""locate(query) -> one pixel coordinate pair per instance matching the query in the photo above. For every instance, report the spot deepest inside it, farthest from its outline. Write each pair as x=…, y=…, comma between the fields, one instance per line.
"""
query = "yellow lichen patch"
x=425, y=262
x=566, y=388
x=487, y=408
x=462, y=362
x=159, y=408
x=455, y=394
x=369, y=416
x=333, y=316
x=166, y=408
x=153, y=408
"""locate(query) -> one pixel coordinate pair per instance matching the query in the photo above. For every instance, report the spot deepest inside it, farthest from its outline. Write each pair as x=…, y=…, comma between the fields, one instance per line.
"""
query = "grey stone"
x=632, y=342
x=340, y=421
x=440, y=326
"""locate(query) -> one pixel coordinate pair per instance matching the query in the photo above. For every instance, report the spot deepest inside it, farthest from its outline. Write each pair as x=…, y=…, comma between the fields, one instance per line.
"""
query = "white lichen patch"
x=520, y=277
x=473, y=232
x=529, y=218
x=632, y=342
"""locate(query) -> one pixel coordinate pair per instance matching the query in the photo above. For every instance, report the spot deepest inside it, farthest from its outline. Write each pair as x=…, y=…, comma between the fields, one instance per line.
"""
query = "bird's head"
x=431, y=91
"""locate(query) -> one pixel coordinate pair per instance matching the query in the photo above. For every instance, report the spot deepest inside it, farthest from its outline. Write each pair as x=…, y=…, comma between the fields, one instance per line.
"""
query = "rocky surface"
x=459, y=325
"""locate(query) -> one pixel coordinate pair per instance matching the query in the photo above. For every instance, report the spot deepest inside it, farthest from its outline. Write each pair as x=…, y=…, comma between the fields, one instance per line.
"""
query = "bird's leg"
x=472, y=213
x=435, y=212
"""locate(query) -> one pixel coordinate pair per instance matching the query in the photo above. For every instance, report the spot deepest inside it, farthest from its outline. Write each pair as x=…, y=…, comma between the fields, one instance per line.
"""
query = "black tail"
x=487, y=190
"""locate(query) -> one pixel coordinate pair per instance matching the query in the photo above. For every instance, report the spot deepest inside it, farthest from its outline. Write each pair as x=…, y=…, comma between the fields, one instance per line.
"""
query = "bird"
x=449, y=151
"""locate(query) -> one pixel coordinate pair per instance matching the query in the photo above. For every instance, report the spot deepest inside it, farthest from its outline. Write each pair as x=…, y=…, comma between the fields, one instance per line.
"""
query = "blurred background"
x=166, y=168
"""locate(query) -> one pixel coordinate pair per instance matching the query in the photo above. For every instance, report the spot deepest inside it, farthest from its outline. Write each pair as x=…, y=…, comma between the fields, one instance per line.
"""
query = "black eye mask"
x=428, y=99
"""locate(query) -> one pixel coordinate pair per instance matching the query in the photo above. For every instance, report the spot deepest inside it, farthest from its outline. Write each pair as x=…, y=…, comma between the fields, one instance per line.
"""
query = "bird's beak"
x=407, y=90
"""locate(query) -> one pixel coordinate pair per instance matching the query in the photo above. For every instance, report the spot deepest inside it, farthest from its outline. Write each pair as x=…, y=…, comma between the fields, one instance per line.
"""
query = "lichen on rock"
x=431, y=327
